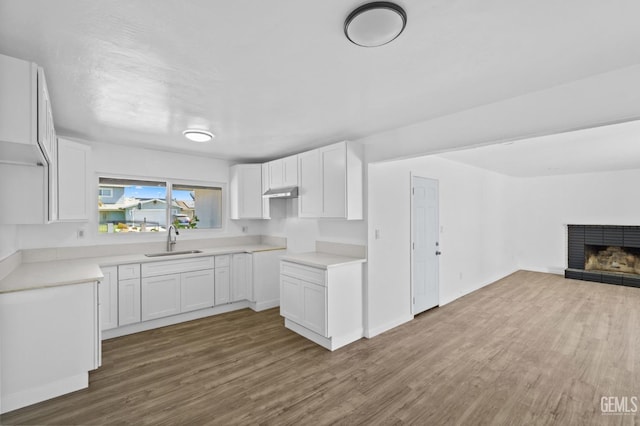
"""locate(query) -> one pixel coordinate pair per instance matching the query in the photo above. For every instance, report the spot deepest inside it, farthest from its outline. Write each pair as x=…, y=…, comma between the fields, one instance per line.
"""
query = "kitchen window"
x=126, y=205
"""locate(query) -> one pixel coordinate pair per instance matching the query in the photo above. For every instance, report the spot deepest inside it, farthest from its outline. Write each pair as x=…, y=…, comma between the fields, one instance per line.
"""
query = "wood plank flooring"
x=529, y=349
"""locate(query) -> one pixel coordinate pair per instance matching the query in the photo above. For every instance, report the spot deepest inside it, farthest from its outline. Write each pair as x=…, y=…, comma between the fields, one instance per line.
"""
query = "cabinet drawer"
x=176, y=266
x=307, y=273
x=222, y=261
x=126, y=272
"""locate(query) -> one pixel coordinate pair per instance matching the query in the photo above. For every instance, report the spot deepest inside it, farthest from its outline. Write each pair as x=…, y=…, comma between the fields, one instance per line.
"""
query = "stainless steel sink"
x=173, y=253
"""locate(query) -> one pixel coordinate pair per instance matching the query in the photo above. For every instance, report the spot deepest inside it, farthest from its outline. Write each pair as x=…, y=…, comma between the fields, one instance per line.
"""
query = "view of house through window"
x=131, y=205
x=200, y=207
x=126, y=205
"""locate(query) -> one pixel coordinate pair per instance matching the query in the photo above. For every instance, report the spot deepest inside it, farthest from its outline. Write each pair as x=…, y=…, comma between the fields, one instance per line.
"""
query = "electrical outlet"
x=377, y=234
x=245, y=229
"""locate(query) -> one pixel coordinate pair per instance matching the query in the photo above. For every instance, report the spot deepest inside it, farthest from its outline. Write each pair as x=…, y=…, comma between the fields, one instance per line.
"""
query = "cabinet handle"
x=438, y=253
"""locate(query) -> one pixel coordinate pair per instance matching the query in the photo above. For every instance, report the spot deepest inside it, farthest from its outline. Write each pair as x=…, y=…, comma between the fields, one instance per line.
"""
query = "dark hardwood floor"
x=530, y=349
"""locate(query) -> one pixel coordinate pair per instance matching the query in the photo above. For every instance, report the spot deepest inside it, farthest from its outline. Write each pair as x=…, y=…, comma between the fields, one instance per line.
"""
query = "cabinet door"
x=160, y=296
x=72, y=181
x=310, y=190
x=46, y=130
x=266, y=207
x=290, y=171
x=314, y=307
x=108, y=293
x=251, y=192
x=333, y=161
x=275, y=174
x=291, y=298
x=128, y=301
x=241, y=277
x=246, y=191
x=18, y=113
x=27, y=187
x=223, y=286
x=197, y=289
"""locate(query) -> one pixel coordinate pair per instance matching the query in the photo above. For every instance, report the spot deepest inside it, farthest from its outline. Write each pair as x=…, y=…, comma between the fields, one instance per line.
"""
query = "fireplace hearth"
x=606, y=254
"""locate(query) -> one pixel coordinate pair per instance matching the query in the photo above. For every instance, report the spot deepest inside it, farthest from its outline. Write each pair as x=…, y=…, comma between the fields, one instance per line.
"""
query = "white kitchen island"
x=321, y=297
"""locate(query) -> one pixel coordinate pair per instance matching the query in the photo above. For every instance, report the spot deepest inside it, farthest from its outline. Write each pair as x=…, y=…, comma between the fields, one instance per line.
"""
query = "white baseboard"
x=478, y=287
x=41, y=393
x=331, y=343
x=261, y=306
x=372, y=332
x=548, y=270
x=174, y=319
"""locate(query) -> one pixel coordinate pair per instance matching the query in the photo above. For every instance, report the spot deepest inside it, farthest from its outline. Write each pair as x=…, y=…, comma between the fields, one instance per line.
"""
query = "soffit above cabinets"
x=279, y=77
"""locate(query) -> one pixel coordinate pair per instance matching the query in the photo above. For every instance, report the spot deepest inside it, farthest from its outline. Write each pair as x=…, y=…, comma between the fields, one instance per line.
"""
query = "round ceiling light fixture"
x=375, y=24
x=198, y=135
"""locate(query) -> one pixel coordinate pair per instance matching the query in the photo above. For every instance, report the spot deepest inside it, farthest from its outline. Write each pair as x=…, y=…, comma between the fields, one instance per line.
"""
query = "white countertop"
x=321, y=260
x=34, y=275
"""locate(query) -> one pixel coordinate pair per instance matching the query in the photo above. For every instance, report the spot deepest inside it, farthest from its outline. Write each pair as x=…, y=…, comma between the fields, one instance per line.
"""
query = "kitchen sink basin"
x=173, y=253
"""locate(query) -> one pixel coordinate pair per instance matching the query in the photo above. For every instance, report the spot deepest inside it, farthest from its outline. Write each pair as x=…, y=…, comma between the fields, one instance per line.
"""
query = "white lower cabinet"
x=50, y=341
x=133, y=293
x=223, y=285
x=314, y=308
x=305, y=303
x=128, y=294
x=291, y=298
x=160, y=296
x=129, y=301
x=323, y=305
x=241, y=277
x=108, y=299
x=196, y=290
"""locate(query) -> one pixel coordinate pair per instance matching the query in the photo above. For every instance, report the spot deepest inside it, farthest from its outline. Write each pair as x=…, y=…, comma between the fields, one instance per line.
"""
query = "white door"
x=425, y=244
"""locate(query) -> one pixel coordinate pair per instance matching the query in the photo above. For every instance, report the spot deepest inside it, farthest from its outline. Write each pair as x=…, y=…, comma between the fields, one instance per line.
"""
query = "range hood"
x=286, y=192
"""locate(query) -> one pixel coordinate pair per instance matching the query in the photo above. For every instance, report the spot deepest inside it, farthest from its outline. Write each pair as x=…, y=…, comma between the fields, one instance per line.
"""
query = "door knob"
x=438, y=253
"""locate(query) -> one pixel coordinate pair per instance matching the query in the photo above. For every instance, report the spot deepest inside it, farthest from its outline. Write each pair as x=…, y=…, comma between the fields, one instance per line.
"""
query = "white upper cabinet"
x=330, y=182
x=310, y=188
x=283, y=172
x=27, y=133
x=72, y=181
x=245, y=192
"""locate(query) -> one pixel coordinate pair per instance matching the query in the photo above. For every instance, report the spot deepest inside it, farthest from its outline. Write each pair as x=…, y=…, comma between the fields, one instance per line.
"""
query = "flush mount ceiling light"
x=197, y=135
x=374, y=24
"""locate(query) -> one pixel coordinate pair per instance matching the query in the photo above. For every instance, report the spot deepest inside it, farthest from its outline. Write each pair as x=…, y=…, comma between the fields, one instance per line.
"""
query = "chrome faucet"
x=171, y=242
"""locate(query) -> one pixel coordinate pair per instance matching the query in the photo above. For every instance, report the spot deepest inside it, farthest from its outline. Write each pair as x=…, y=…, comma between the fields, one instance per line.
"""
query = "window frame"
x=168, y=182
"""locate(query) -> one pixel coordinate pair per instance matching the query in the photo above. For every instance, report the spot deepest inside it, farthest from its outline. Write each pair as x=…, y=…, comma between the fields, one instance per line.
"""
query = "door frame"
x=411, y=256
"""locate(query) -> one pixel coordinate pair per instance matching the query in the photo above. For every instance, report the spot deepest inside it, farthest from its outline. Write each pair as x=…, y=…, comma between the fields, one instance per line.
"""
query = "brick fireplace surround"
x=587, y=241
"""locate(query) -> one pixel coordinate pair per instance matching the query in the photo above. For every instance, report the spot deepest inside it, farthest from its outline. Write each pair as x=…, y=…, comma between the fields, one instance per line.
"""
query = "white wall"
x=477, y=244
x=8, y=240
x=545, y=205
x=302, y=233
x=125, y=161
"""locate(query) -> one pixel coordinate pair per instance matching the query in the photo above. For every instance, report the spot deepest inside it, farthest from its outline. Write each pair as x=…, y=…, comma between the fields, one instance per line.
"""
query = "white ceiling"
x=606, y=148
x=275, y=77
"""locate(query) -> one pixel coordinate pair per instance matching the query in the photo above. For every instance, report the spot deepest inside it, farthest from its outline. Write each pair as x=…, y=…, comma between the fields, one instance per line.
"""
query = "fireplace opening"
x=612, y=259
